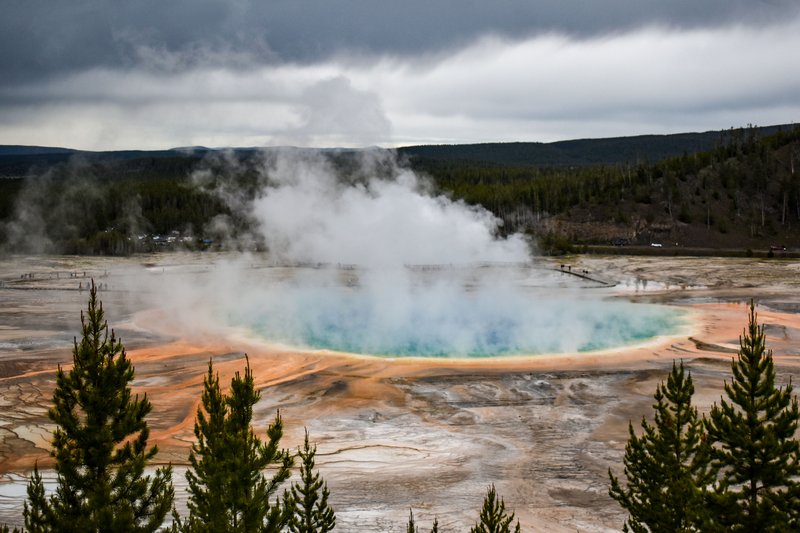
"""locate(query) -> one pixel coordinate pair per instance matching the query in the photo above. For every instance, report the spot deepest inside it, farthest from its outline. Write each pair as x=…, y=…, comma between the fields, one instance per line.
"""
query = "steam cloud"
x=382, y=265
x=310, y=215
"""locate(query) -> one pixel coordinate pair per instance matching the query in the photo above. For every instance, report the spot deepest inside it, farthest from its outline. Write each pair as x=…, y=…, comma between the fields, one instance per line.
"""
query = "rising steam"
x=309, y=214
x=372, y=261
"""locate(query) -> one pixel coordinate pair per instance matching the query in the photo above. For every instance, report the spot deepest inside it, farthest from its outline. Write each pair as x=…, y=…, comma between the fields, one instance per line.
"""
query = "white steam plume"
x=418, y=286
x=309, y=214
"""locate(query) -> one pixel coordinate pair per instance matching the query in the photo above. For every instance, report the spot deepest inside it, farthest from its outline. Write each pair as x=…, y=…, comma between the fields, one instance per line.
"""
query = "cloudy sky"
x=103, y=74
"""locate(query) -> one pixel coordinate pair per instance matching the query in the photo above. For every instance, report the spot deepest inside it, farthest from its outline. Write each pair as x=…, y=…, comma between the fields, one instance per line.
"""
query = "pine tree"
x=755, y=451
x=36, y=512
x=99, y=444
x=493, y=517
x=412, y=527
x=666, y=467
x=207, y=475
x=228, y=488
x=308, y=502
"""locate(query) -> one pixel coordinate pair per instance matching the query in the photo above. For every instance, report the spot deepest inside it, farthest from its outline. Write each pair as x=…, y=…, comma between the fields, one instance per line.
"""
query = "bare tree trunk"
x=669, y=204
x=783, y=213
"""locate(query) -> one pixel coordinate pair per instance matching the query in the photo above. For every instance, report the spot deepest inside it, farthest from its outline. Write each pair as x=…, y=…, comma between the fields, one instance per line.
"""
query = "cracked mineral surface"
x=394, y=434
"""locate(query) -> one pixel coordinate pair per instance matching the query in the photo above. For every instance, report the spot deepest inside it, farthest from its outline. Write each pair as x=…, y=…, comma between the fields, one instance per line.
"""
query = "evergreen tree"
x=36, y=511
x=754, y=447
x=99, y=444
x=412, y=527
x=207, y=475
x=228, y=488
x=666, y=467
x=308, y=502
x=493, y=517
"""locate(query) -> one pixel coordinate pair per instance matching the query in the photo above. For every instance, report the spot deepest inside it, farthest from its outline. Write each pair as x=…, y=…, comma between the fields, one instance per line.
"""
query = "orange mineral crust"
x=394, y=433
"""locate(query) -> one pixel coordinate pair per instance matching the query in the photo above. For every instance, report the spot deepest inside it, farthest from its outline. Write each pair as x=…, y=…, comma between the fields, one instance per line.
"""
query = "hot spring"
x=430, y=275
x=443, y=312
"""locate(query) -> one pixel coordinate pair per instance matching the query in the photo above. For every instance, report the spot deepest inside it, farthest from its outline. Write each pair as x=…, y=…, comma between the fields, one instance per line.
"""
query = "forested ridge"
x=743, y=191
x=739, y=190
x=579, y=152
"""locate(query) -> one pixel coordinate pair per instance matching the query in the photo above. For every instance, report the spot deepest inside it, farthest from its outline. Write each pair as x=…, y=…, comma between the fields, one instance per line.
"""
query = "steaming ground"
x=392, y=268
x=447, y=321
x=393, y=434
x=431, y=311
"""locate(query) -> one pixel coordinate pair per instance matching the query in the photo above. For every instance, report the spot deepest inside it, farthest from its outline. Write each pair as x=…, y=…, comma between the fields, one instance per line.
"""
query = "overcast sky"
x=147, y=74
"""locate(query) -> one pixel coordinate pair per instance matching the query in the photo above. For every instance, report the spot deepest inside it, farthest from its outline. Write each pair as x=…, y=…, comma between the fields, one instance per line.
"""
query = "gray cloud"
x=355, y=73
x=42, y=38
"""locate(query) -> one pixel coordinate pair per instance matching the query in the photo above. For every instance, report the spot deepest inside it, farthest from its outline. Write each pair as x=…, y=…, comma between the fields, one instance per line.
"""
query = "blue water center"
x=450, y=321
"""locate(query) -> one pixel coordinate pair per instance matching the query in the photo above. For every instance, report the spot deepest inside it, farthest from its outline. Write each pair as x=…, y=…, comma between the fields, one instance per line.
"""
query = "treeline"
x=121, y=206
x=106, y=208
x=748, y=186
x=744, y=190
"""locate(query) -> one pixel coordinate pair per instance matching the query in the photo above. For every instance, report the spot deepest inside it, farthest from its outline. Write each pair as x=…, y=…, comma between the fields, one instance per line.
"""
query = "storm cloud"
x=146, y=74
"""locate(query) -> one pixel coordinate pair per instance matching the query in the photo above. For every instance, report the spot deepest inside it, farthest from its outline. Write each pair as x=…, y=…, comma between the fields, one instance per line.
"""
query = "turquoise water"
x=457, y=323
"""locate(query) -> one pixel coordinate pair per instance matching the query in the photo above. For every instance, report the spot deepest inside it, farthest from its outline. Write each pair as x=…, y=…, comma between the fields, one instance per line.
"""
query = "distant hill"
x=13, y=149
x=20, y=161
x=579, y=152
x=23, y=161
x=31, y=160
x=742, y=194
